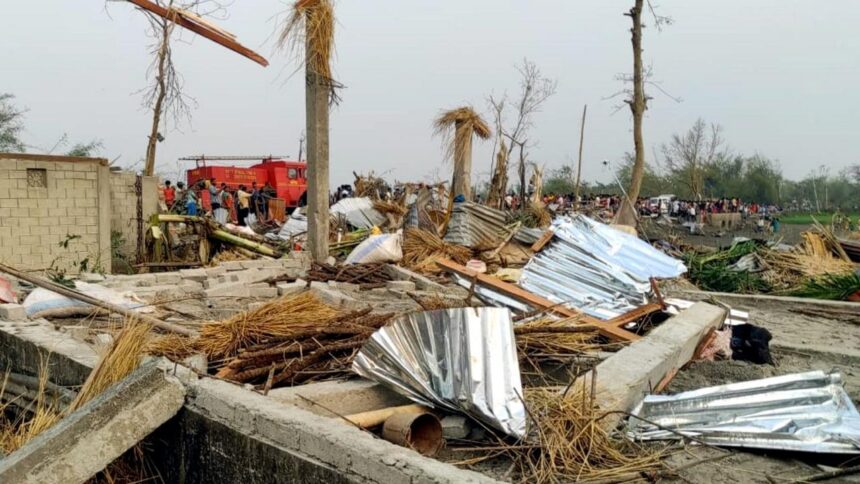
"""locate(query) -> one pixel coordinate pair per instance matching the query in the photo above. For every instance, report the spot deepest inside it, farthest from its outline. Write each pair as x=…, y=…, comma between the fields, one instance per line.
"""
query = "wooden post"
x=317, y=101
x=579, y=164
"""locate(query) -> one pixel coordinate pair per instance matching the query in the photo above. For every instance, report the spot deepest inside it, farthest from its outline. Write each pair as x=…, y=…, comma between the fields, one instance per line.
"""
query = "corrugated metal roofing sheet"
x=474, y=225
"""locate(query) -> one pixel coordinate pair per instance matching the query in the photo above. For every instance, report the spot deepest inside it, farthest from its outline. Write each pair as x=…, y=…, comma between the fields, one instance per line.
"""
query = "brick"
x=344, y=286
x=9, y=203
x=12, y=312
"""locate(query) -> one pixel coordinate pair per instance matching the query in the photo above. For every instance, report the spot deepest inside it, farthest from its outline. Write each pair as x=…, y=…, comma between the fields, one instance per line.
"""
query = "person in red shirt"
x=169, y=194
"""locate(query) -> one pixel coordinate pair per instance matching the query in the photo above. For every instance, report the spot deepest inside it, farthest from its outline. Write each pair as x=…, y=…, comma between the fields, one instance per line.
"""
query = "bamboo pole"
x=579, y=164
x=224, y=236
x=79, y=296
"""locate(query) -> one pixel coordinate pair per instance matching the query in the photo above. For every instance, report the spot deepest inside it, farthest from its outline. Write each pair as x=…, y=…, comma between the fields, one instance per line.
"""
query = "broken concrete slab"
x=626, y=377
x=236, y=289
x=24, y=346
x=352, y=454
x=345, y=397
x=196, y=275
x=456, y=427
x=400, y=286
x=85, y=442
x=291, y=288
x=402, y=274
x=13, y=312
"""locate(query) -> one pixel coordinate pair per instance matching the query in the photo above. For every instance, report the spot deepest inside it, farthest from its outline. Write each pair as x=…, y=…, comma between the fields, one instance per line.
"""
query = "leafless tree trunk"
x=638, y=103
x=579, y=163
x=461, y=183
x=166, y=28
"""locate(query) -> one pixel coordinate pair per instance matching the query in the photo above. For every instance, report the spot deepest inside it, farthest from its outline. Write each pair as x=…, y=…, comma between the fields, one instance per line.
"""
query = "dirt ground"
x=788, y=234
x=806, y=338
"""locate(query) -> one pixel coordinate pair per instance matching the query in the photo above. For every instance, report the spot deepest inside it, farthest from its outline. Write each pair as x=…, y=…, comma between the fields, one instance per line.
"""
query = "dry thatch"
x=814, y=257
x=15, y=433
x=554, y=338
x=571, y=445
x=276, y=319
x=466, y=122
x=422, y=248
x=308, y=35
x=173, y=346
x=394, y=211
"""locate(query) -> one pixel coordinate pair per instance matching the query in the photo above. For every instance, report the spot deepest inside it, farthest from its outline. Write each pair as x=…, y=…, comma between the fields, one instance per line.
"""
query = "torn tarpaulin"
x=807, y=412
x=462, y=360
x=597, y=269
x=359, y=212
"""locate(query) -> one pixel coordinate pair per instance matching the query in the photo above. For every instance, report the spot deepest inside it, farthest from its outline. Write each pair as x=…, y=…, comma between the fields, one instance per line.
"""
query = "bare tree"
x=535, y=89
x=165, y=96
x=11, y=124
x=638, y=102
x=690, y=155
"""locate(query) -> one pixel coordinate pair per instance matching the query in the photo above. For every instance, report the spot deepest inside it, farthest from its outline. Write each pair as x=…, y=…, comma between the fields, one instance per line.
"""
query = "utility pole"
x=579, y=164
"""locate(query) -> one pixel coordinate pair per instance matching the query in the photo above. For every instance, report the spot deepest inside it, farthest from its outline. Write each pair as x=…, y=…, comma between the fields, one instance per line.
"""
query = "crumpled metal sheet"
x=807, y=412
x=359, y=212
x=594, y=268
x=297, y=224
x=528, y=236
x=462, y=360
x=475, y=225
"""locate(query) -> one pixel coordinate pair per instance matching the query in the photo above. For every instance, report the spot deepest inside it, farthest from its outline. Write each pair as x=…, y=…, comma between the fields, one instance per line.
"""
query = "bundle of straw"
x=553, y=338
x=394, y=211
x=14, y=433
x=278, y=318
x=421, y=249
x=572, y=444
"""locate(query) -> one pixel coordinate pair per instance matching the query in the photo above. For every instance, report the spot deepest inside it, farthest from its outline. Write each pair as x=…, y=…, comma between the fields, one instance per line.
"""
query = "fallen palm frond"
x=278, y=318
x=713, y=272
x=837, y=287
x=421, y=249
x=534, y=216
x=568, y=443
x=465, y=123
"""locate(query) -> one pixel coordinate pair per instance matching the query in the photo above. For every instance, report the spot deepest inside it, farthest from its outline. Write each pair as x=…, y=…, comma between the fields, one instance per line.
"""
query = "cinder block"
x=456, y=427
x=344, y=286
x=167, y=278
x=255, y=264
x=215, y=271
x=12, y=312
x=232, y=265
x=292, y=288
x=267, y=292
x=196, y=275
x=400, y=286
x=228, y=290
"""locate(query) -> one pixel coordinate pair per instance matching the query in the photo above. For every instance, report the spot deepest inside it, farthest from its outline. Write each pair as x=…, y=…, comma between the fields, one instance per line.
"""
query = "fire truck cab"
x=288, y=178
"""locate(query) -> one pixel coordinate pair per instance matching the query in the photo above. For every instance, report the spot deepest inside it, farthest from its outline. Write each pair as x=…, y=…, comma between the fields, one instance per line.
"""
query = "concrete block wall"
x=123, y=199
x=44, y=199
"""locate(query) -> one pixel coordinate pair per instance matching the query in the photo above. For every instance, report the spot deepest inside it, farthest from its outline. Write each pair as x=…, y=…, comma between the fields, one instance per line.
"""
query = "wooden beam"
x=543, y=240
x=604, y=328
x=203, y=29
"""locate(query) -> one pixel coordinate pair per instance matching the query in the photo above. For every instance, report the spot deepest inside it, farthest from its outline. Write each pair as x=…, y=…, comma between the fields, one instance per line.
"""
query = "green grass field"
x=806, y=218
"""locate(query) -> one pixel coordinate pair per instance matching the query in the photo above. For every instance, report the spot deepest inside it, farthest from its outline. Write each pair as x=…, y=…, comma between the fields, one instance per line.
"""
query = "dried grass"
x=175, y=347
x=812, y=258
x=15, y=433
x=308, y=35
x=276, y=319
x=118, y=361
x=465, y=123
x=422, y=248
x=545, y=338
x=572, y=444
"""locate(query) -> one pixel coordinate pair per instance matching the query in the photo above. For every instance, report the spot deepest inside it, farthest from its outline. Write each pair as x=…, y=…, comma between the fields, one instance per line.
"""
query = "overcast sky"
x=781, y=76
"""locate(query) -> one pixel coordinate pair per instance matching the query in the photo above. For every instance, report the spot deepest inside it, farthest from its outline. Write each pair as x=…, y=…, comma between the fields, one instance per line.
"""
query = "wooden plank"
x=635, y=314
x=604, y=328
x=543, y=240
x=204, y=30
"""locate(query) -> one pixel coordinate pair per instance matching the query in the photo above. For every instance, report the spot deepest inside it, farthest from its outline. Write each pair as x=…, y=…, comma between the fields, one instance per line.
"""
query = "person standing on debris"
x=244, y=205
x=191, y=202
x=214, y=199
x=169, y=195
x=219, y=206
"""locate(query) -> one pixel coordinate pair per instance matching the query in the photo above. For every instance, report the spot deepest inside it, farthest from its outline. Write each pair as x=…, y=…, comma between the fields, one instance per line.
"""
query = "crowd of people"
x=219, y=200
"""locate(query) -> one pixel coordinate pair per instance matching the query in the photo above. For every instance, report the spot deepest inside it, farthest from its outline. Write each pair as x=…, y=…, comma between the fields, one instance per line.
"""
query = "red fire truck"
x=289, y=178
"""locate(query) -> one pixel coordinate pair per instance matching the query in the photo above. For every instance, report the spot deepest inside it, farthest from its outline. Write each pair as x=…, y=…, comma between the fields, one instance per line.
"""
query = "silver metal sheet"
x=594, y=268
x=808, y=412
x=475, y=225
x=462, y=360
x=359, y=212
x=296, y=225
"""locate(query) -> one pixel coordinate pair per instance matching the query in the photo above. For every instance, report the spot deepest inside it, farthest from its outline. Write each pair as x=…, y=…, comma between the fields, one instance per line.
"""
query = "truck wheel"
x=303, y=200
